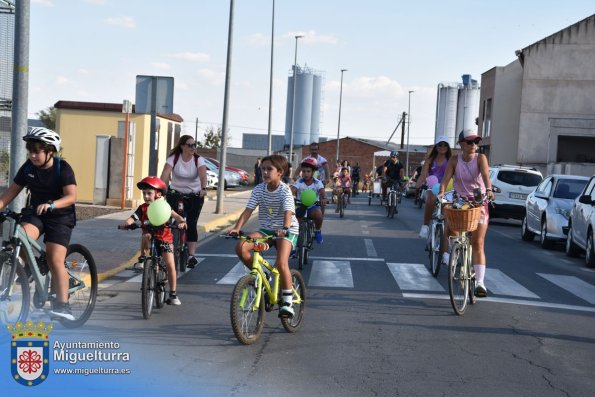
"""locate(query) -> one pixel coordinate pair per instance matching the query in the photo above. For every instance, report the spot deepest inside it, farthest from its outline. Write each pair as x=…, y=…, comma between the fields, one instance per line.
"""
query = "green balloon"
x=159, y=212
x=308, y=197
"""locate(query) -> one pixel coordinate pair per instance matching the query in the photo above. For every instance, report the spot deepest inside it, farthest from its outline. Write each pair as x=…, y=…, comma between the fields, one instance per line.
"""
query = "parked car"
x=581, y=225
x=212, y=179
x=244, y=176
x=515, y=183
x=232, y=179
x=548, y=208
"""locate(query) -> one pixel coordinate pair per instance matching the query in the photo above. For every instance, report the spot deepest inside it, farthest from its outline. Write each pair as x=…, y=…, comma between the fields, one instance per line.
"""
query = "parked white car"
x=548, y=208
x=581, y=225
x=515, y=183
x=212, y=180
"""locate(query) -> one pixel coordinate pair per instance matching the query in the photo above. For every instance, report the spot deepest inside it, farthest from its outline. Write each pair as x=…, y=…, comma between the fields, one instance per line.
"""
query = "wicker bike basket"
x=459, y=220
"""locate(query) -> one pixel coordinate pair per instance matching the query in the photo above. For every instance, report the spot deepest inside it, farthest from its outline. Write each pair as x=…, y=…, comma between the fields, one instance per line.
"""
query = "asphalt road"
x=376, y=322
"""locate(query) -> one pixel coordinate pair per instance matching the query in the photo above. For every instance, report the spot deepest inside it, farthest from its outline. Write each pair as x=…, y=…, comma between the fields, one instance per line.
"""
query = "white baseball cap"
x=441, y=138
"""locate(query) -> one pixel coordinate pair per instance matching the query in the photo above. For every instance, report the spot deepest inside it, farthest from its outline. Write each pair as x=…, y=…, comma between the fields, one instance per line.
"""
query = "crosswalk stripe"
x=572, y=284
x=370, y=250
x=331, y=274
x=499, y=283
x=237, y=272
x=414, y=277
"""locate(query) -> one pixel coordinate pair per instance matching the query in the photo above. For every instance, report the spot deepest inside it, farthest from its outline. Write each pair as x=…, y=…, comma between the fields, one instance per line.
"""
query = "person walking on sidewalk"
x=257, y=172
x=52, y=185
x=186, y=172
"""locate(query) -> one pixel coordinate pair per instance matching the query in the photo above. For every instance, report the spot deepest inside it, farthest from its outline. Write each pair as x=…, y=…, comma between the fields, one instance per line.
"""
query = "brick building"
x=359, y=150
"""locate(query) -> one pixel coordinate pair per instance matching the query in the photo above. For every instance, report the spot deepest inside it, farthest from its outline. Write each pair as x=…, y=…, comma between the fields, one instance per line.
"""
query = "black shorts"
x=56, y=229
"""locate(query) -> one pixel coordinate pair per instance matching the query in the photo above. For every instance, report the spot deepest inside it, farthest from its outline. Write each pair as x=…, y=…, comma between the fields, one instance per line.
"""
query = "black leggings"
x=192, y=206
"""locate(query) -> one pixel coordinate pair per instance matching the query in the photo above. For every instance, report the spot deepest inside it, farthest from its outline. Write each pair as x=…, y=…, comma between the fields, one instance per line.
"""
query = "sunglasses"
x=191, y=145
x=470, y=141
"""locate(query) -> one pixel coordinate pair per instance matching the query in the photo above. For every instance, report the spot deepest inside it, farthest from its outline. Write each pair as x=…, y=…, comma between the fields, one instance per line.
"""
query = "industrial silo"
x=446, y=111
x=306, y=123
x=316, y=100
x=468, y=104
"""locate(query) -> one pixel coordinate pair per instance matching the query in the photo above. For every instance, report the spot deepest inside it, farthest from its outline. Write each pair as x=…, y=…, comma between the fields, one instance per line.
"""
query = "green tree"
x=48, y=117
x=212, y=138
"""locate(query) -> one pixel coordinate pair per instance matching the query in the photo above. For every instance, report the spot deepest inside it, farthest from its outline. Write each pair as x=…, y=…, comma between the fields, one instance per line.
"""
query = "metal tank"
x=306, y=128
x=467, y=104
x=446, y=111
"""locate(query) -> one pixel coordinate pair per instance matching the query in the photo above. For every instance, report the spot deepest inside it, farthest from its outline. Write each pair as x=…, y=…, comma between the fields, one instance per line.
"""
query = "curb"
x=203, y=233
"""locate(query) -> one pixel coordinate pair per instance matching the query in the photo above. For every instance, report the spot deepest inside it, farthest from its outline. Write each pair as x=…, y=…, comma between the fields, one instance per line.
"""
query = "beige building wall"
x=79, y=130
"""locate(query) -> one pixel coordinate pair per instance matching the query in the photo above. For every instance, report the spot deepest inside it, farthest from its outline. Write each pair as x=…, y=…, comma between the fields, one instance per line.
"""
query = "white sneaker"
x=480, y=290
x=423, y=233
x=445, y=259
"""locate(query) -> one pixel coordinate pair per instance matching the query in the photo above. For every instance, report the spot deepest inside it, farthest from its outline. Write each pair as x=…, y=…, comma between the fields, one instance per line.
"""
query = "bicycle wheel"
x=148, y=288
x=14, y=305
x=299, y=302
x=341, y=206
x=247, y=315
x=472, y=283
x=392, y=208
x=435, y=243
x=458, y=281
x=177, y=249
x=301, y=245
x=160, y=283
x=82, y=284
x=183, y=253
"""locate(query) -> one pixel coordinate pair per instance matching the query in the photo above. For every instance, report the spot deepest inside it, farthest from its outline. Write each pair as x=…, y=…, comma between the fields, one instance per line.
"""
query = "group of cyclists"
x=52, y=184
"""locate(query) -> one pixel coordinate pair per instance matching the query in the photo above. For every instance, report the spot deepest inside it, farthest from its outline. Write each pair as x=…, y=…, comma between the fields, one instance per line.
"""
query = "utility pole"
x=403, y=118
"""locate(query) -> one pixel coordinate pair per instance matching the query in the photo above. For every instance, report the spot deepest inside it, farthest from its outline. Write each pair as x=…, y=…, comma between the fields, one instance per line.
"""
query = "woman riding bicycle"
x=471, y=170
x=308, y=182
x=186, y=173
x=434, y=165
x=52, y=184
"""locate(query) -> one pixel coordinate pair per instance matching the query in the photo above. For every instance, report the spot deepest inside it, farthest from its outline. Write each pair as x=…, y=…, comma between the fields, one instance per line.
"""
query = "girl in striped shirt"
x=276, y=215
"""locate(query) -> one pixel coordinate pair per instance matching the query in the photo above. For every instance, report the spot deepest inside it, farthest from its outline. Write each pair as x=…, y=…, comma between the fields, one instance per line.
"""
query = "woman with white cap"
x=432, y=173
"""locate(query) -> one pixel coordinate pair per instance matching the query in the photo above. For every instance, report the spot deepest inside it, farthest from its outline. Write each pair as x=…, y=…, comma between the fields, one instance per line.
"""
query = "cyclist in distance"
x=50, y=212
x=323, y=174
x=434, y=164
x=355, y=177
x=392, y=172
x=153, y=188
x=276, y=215
x=470, y=171
x=308, y=182
x=186, y=173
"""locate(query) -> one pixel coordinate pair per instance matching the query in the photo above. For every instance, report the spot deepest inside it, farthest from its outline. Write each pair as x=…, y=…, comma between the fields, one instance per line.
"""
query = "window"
x=519, y=178
x=569, y=188
x=546, y=187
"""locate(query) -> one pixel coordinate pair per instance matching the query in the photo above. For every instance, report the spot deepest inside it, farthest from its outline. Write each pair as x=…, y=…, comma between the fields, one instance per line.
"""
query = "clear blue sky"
x=91, y=50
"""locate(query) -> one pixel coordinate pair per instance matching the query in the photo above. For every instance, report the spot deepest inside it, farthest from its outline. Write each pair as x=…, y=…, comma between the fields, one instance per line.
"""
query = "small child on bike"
x=153, y=188
x=307, y=182
x=343, y=185
x=51, y=212
x=276, y=215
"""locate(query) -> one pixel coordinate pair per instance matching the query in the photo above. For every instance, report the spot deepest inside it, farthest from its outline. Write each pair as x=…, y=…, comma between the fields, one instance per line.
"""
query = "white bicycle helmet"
x=44, y=135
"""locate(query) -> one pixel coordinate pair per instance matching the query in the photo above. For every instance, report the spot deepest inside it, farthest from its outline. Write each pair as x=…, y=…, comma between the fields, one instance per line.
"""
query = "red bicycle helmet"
x=310, y=162
x=152, y=182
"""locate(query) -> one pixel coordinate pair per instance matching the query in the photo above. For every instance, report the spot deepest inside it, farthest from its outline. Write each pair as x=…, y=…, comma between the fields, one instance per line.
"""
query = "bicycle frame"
x=261, y=280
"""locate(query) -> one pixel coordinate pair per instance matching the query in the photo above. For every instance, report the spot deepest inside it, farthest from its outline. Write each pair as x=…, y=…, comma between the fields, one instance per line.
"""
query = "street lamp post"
x=339, y=124
x=293, y=101
x=408, y=125
x=270, y=135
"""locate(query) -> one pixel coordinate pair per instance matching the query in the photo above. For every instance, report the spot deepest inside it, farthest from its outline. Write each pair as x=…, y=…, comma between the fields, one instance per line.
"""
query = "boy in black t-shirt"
x=52, y=185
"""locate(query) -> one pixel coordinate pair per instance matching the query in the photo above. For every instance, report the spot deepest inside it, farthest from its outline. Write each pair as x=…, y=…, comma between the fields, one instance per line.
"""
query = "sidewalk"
x=114, y=250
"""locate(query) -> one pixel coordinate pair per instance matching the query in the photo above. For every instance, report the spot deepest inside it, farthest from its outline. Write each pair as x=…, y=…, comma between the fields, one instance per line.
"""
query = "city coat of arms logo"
x=29, y=352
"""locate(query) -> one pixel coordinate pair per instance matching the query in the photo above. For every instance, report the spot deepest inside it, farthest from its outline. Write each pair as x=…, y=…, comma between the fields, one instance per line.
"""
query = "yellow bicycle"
x=259, y=291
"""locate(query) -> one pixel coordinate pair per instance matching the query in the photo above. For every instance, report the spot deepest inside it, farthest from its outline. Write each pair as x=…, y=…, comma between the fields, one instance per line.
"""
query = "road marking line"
x=572, y=284
x=370, y=250
x=365, y=232
x=237, y=272
x=502, y=234
x=499, y=283
x=510, y=301
x=414, y=276
x=335, y=274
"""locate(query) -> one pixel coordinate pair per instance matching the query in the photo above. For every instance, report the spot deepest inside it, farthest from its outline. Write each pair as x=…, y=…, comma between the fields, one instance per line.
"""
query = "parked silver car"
x=548, y=208
x=581, y=225
x=232, y=179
